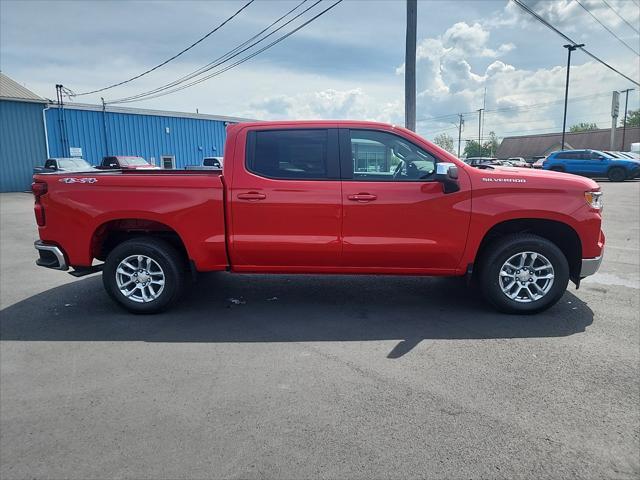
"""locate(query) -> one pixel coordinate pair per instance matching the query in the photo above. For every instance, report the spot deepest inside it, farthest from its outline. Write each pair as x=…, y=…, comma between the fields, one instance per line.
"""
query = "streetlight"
x=570, y=48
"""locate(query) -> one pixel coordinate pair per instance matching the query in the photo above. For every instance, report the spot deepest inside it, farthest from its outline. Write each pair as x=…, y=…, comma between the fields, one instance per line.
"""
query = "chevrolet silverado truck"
x=324, y=197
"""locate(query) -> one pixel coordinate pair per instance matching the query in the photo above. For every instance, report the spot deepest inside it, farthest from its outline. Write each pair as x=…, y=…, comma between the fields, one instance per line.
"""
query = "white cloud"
x=569, y=16
x=327, y=104
x=453, y=77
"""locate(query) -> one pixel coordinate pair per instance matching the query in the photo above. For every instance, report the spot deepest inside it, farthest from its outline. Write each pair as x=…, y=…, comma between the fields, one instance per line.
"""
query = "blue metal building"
x=166, y=139
x=32, y=129
x=22, y=135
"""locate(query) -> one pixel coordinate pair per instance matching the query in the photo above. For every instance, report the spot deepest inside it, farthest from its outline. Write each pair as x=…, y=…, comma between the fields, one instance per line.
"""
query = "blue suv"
x=593, y=163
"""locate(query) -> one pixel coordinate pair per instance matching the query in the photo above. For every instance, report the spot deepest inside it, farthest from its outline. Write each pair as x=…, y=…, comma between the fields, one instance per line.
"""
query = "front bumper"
x=51, y=256
x=590, y=265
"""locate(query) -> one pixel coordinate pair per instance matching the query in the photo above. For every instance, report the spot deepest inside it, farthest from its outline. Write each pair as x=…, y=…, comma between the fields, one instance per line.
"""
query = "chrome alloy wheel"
x=526, y=277
x=140, y=278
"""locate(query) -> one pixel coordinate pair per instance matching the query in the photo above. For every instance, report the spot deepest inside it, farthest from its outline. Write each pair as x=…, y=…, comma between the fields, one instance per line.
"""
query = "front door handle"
x=362, y=197
x=252, y=196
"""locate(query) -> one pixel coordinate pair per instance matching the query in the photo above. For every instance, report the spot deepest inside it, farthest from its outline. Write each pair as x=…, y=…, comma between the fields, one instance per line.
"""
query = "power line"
x=552, y=129
x=173, y=57
x=438, y=118
x=234, y=52
x=533, y=106
x=607, y=28
x=538, y=120
x=547, y=24
x=242, y=60
x=620, y=16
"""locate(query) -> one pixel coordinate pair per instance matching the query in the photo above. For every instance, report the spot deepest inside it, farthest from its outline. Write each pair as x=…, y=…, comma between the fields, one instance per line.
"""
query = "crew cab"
x=126, y=163
x=593, y=163
x=324, y=197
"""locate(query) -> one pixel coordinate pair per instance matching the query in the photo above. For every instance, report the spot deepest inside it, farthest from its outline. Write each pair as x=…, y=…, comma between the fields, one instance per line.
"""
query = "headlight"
x=594, y=199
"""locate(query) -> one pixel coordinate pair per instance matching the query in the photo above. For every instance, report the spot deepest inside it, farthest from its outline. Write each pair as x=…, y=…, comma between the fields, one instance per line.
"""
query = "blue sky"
x=347, y=64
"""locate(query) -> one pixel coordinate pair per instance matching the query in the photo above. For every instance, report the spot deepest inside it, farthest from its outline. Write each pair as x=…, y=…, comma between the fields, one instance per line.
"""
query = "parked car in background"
x=208, y=163
x=539, y=163
x=64, y=165
x=126, y=163
x=291, y=200
x=481, y=161
x=504, y=163
x=592, y=163
x=624, y=155
x=519, y=162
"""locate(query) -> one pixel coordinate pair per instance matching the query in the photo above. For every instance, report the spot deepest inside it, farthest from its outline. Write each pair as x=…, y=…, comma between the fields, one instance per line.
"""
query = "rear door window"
x=305, y=154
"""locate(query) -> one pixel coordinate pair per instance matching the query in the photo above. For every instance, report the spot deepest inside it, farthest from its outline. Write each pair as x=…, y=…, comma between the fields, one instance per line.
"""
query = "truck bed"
x=84, y=207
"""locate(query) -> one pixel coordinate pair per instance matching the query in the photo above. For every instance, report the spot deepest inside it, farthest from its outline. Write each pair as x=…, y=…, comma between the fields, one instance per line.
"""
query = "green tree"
x=444, y=140
x=633, y=118
x=487, y=149
x=493, y=143
x=474, y=149
x=583, y=127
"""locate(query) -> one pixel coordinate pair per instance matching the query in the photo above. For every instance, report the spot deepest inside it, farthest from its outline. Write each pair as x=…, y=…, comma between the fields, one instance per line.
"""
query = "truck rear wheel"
x=617, y=174
x=144, y=275
x=523, y=273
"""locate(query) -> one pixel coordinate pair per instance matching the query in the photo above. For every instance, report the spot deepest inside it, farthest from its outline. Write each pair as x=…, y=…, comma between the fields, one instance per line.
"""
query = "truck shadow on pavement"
x=222, y=307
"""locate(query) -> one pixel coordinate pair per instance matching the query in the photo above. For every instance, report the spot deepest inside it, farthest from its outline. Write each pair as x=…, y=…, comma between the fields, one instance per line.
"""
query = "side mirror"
x=447, y=174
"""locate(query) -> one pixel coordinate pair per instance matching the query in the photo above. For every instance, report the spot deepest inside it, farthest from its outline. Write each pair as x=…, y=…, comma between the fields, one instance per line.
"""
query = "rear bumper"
x=51, y=256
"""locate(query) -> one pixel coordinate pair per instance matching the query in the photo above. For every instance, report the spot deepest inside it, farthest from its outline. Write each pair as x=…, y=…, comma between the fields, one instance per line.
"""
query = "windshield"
x=133, y=161
x=72, y=163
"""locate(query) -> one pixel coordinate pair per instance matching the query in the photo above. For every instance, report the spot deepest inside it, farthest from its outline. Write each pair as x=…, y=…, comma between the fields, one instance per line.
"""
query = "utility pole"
x=570, y=48
x=61, y=123
x=410, y=66
x=460, y=124
x=104, y=127
x=615, y=109
x=624, y=121
x=480, y=131
x=484, y=106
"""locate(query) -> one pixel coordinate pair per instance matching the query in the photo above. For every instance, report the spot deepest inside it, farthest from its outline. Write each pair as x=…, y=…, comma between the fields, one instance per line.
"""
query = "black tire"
x=161, y=252
x=617, y=174
x=557, y=169
x=506, y=247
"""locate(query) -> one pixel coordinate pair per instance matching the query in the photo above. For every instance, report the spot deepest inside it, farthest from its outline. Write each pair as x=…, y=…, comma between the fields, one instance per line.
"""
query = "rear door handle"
x=252, y=196
x=362, y=197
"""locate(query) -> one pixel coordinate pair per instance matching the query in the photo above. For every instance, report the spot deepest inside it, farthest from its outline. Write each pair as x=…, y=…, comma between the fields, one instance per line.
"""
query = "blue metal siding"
x=22, y=144
x=188, y=140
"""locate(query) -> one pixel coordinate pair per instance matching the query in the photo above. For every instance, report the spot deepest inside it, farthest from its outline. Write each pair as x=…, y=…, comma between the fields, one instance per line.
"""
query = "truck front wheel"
x=144, y=275
x=523, y=273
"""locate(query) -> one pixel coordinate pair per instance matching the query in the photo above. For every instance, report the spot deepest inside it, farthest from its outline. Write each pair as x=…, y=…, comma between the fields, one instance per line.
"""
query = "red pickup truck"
x=324, y=197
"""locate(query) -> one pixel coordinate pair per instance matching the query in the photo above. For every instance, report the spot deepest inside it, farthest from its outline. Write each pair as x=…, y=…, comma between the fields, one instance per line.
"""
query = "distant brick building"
x=530, y=146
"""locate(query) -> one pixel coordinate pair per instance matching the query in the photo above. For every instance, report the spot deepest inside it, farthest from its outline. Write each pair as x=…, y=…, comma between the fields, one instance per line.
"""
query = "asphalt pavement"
x=319, y=376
